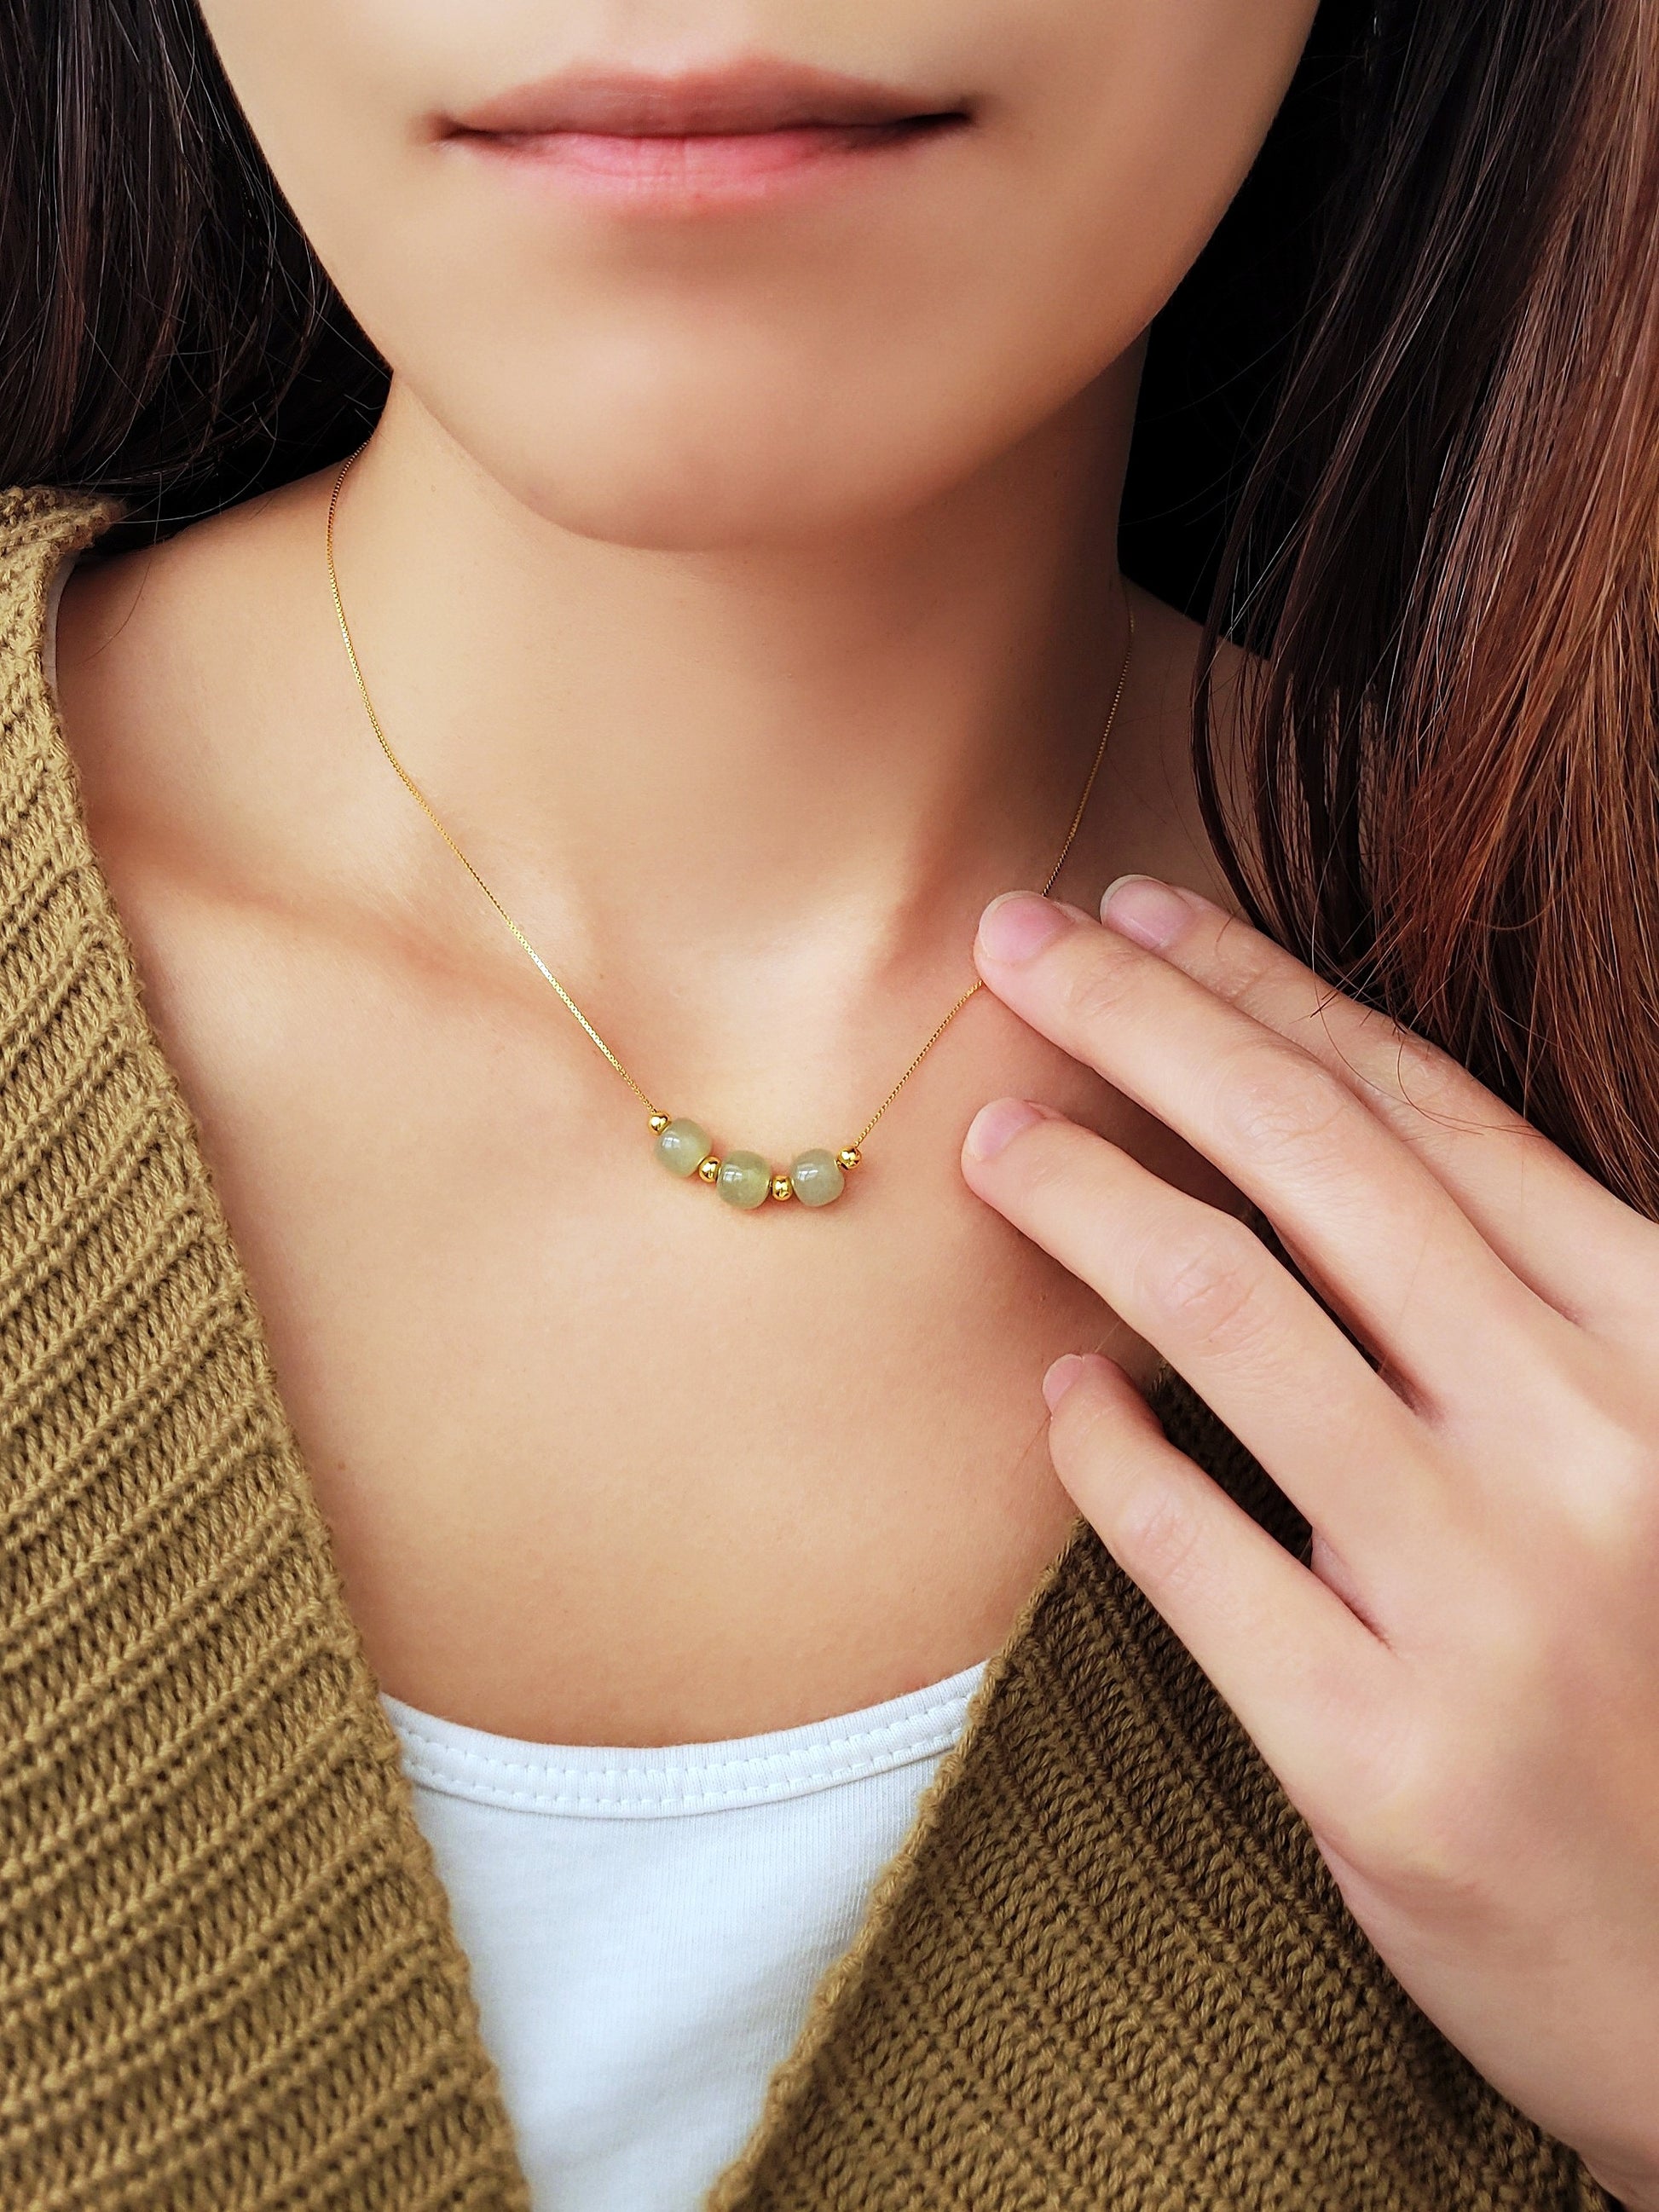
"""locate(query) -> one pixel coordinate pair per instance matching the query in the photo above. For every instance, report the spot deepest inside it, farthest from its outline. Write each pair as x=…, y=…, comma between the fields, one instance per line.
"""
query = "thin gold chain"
x=542, y=966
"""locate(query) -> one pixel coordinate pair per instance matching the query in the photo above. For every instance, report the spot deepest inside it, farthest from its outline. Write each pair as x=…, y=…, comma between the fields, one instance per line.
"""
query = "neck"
x=733, y=744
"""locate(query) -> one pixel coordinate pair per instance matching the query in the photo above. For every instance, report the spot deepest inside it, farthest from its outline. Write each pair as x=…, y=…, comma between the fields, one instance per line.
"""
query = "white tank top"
x=646, y=1928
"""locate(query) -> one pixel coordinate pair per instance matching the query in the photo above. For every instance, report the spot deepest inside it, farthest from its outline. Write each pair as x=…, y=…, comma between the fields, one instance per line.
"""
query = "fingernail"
x=998, y=1124
x=1059, y=1378
x=1145, y=910
x=1017, y=925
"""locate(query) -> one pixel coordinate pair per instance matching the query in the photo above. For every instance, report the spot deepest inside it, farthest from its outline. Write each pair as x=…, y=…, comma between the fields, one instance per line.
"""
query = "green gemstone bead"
x=745, y=1179
x=818, y=1177
x=682, y=1146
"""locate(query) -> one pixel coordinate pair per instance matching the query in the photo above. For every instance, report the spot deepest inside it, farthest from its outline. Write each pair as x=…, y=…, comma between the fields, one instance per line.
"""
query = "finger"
x=1208, y=1294
x=1373, y=1226
x=1305, y=1676
x=1555, y=1226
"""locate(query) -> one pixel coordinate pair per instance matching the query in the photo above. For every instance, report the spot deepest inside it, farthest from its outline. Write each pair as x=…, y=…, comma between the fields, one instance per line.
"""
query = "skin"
x=740, y=586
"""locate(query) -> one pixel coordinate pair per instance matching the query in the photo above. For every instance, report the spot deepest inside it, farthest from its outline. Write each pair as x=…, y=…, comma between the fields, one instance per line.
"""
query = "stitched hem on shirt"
x=665, y=1780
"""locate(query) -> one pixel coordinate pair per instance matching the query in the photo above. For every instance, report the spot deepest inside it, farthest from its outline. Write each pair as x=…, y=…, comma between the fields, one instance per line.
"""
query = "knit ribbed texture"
x=227, y=1976
x=1107, y=1969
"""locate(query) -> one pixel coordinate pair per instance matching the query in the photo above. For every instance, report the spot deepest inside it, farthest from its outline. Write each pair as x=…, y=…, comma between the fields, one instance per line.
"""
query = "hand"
x=1459, y=1692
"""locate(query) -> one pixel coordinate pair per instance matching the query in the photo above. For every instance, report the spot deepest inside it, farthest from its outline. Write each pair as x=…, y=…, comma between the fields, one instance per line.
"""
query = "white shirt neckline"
x=670, y=1781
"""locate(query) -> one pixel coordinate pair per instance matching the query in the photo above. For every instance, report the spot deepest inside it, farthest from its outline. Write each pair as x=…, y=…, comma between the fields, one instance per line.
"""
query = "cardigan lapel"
x=229, y=1975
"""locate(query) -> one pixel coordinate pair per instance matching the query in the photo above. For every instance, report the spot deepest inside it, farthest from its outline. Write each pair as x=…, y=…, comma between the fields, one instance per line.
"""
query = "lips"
x=701, y=137
x=739, y=99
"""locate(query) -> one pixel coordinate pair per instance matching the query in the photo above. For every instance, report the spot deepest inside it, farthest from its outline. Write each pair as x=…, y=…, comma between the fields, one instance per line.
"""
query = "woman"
x=482, y=1610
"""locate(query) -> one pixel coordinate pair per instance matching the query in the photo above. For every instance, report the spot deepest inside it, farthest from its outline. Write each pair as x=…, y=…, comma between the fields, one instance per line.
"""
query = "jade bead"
x=745, y=1179
x=818, y=1177
x=682, y=1146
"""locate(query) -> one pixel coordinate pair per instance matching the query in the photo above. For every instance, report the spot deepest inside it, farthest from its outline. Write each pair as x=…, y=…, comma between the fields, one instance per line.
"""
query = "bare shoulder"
x=173, y=664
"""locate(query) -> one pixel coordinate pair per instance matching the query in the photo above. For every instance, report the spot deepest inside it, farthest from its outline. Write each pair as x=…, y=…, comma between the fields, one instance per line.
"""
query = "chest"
x=720, y=1472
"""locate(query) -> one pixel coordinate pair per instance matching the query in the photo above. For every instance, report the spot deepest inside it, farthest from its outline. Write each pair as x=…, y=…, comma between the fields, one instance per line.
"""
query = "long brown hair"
x=1447, y=562
x=1399, y=439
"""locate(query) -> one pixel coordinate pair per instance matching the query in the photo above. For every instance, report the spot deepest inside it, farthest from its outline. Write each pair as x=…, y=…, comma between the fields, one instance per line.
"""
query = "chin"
x=690, y=499
x=686, y=481
x=660, y=515
x=673, y=505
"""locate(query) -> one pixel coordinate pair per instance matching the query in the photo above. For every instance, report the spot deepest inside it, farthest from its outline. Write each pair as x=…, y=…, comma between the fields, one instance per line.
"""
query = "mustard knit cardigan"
x=1107, y=1969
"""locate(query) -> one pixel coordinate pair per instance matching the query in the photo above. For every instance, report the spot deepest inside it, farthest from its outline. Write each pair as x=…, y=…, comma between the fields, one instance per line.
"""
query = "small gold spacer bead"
x=710, y=1169
x=781, y=1187
x=660, y=1122
x=848, y=1157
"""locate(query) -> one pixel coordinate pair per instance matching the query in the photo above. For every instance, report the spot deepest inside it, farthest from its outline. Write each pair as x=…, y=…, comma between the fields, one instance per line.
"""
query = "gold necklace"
x=744, y=1179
